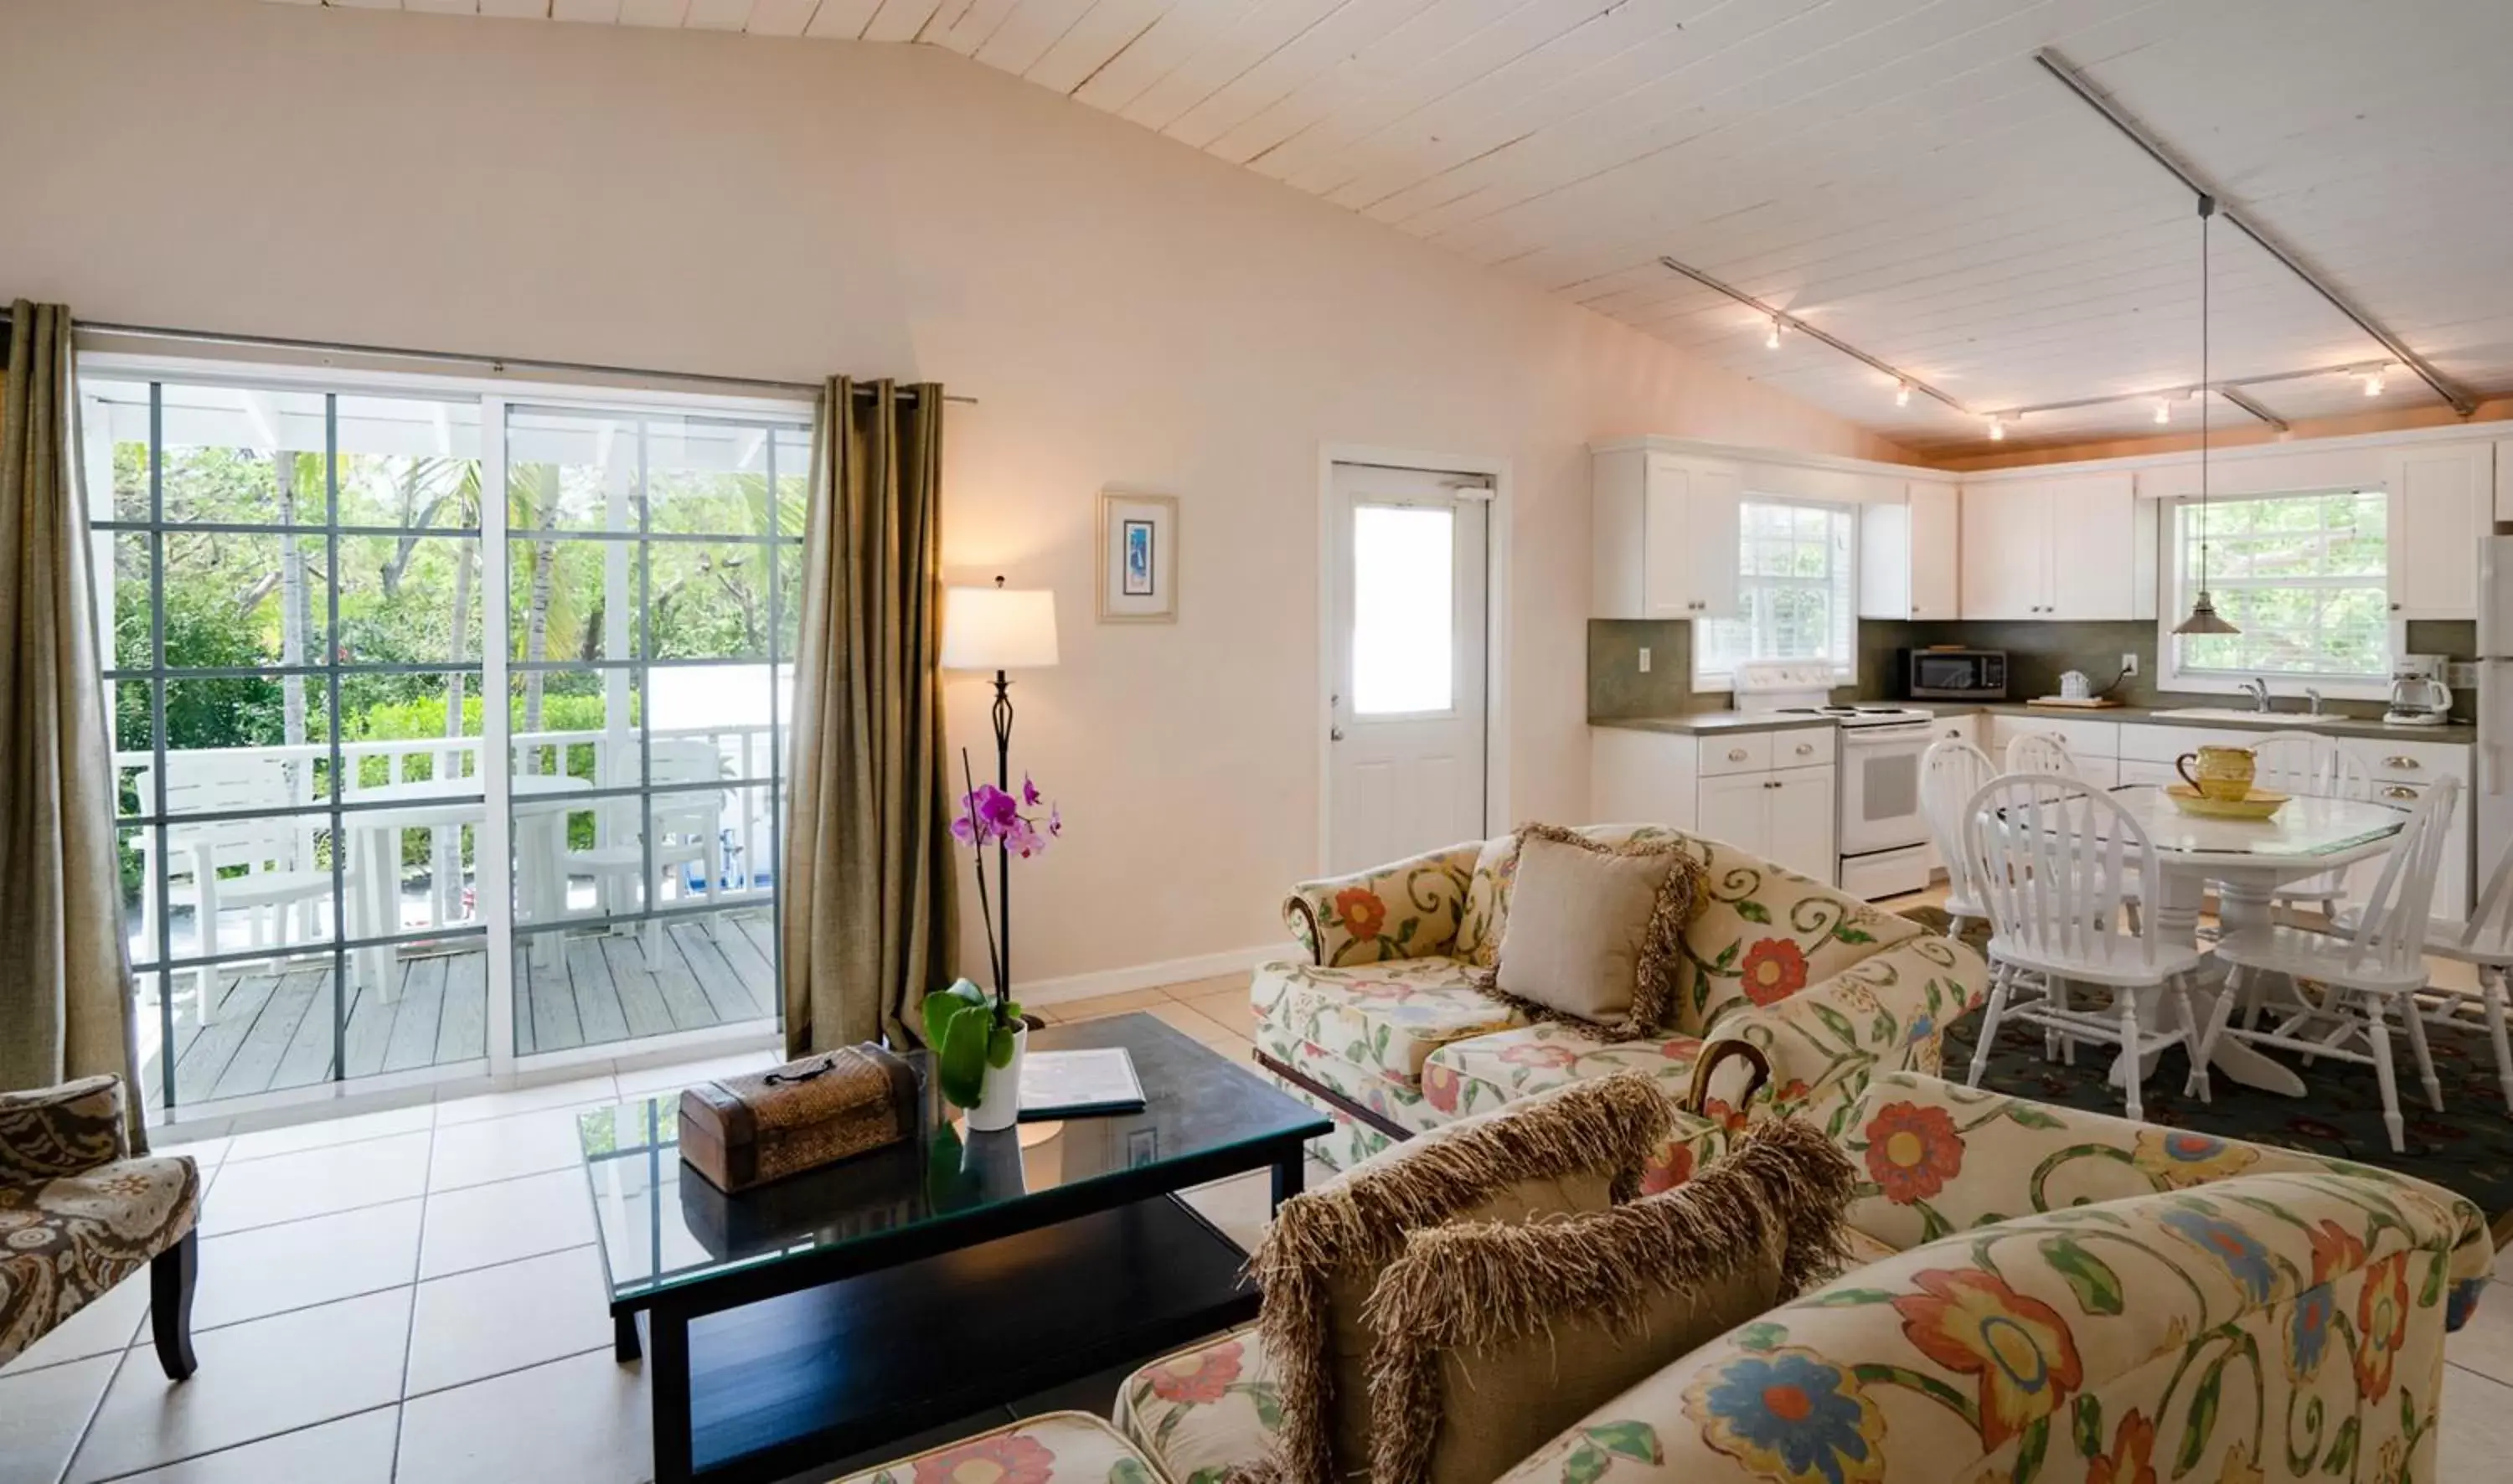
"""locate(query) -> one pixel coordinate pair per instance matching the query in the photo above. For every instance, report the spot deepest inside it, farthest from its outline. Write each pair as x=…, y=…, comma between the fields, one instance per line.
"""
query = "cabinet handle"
x=2395, y=791
x=1735, y=755
x=1771, y=783
x=2405, y=765
x=2395, y=607
x=1805, y=749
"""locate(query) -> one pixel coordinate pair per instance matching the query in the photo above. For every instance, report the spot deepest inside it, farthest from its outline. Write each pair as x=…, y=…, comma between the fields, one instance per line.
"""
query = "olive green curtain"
x=869, y=887
x=64, y=978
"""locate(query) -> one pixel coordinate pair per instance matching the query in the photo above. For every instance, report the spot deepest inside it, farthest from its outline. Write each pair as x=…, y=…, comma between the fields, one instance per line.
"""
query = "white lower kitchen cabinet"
x=1725, y=785
x=2095, y=745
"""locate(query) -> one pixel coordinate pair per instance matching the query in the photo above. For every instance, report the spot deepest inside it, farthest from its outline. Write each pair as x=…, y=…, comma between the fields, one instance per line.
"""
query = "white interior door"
x=1406, y=705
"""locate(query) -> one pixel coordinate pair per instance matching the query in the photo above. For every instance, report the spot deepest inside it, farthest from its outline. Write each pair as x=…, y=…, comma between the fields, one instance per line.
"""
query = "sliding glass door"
x=338, y=862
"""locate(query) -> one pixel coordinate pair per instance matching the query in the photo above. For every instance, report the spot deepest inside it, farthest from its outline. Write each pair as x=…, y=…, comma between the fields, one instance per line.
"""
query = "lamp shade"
x=998, y=628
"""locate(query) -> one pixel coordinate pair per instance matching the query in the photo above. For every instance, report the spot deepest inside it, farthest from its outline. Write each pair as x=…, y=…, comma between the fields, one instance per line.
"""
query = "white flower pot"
x=999, y=1100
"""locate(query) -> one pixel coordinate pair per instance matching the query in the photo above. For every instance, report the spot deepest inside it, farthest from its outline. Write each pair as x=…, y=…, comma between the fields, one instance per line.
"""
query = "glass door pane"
x=648, y=559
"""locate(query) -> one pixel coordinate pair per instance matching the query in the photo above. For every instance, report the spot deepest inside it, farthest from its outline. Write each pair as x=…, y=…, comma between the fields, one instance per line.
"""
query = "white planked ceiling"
x=1898, y=172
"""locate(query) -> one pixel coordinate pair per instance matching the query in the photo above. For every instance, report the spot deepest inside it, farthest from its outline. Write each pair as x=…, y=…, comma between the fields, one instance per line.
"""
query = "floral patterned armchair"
x=2035, y=1293
x=1381, y=1030
x=78, y=1215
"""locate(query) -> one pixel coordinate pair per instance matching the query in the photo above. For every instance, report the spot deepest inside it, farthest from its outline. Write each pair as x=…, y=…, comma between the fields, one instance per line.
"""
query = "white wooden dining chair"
x=1951, y=773
x=279, y=889
x=2045, y=753
x=2055, y=859
x=2486, y=943
x=2346, y=987
x=2315, y=766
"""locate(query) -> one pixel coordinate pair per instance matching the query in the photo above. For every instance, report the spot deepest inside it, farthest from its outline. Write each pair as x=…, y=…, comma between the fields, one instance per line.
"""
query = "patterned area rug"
x=2468, y=1148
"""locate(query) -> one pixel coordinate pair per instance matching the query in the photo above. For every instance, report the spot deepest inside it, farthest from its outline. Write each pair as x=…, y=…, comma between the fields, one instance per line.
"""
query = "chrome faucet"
x=2312, y=701
x=2257, y=689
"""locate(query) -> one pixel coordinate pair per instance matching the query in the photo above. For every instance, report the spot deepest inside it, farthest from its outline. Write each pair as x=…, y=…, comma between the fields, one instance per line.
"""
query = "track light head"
x=1901, y=394
x=1771, y=342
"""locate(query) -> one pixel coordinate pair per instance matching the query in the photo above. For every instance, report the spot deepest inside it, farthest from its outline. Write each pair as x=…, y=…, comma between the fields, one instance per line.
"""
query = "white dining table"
x=2247, y=860
x=541, y=802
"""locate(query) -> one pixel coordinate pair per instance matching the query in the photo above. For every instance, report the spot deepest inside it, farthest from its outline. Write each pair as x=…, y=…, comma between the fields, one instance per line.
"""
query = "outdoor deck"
x=275, y=1030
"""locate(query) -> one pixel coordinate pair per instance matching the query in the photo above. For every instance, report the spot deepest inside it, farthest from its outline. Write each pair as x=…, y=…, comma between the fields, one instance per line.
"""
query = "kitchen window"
x=1794, y=594
x=2305, y=578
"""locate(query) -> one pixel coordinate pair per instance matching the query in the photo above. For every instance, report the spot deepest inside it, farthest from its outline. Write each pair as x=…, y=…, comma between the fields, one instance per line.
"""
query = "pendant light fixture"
x=2204, y=619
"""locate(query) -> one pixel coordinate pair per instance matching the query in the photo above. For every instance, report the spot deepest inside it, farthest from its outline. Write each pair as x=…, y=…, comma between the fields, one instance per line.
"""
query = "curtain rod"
x=495, y=364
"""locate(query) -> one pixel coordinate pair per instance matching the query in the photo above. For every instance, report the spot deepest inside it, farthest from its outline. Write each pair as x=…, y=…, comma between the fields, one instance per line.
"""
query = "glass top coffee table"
x=828, y=1313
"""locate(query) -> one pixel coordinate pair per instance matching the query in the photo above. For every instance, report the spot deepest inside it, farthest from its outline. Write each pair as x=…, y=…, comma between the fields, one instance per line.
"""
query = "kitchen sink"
x=2235, y=714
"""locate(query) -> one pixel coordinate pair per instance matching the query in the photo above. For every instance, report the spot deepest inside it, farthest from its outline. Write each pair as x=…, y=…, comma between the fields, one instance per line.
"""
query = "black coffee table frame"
x=759, y=1372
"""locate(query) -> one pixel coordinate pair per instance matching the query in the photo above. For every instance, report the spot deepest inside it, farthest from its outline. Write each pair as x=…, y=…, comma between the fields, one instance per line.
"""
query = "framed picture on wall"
x=1137, y=557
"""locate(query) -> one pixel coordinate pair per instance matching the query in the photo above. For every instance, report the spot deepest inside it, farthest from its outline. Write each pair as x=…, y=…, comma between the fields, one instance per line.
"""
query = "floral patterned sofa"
x=2036, y=1293
x=1381, y=1031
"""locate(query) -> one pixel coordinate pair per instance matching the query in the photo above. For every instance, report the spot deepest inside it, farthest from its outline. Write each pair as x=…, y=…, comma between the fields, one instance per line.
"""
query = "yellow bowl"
x=2259, y=804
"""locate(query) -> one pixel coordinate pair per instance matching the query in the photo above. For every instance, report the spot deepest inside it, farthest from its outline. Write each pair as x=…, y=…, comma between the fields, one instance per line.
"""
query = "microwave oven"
x=1954, y=675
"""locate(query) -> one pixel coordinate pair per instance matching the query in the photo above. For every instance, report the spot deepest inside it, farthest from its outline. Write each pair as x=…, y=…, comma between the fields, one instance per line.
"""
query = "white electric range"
x=1883, y=836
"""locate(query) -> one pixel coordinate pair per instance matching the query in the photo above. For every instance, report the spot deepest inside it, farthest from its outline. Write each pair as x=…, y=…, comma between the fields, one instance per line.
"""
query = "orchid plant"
x=968, y=1029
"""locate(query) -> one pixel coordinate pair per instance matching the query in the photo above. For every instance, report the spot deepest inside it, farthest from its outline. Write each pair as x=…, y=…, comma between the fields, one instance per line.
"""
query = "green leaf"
x=1586, y=1465
x=2090, y=1425
x=1754, y=912
x=1268, y=1403
x=1848, y=934
x=2342, y=1448
x=2027, y=1115
x=2432, y=1292
x=941, y=1006
x=2202, y=1419
x=1852, y=1298
x=1761, y=1336
x=1001, y=1042
x=2029, y=1452
x=960, y=1059
x=1838, y=1023
x=1129, y=1471
x=1633, y=1440
x=1726, y=961
x=2098, y=1288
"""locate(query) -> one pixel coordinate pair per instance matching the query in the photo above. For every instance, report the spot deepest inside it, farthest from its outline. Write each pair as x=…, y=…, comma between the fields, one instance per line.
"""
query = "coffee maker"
x=2418, y=695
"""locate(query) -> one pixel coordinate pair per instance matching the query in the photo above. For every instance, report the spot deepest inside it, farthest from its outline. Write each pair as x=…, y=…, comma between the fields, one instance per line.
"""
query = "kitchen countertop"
x=2458, y=733
x=1711, y=722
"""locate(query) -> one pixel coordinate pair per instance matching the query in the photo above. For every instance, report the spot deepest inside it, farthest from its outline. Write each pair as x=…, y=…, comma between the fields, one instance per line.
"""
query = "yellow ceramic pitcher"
x=2223, y=772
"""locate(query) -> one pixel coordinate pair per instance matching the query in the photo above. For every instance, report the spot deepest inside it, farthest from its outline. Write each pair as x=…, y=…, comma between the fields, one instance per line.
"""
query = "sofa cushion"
x=1767, y=933
x=1558, y=1317
x=1593, y=930
x=1580, y=1148
x=1206, y=1410
x=1384, y=1095
x=1385, y=1017
x=1480, y=1073
x=1050, y=1448
x=1485, y=915
x=68, y=1241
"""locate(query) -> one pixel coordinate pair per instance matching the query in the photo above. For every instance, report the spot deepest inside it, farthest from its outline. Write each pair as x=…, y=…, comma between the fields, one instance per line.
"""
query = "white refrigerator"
x=2492, y=786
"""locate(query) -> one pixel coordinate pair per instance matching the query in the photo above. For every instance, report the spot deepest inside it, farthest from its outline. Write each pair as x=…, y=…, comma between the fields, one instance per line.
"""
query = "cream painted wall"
x=1127, y=311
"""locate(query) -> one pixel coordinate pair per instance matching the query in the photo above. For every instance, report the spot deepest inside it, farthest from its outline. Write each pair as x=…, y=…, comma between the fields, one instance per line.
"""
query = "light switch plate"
x=1645, y=659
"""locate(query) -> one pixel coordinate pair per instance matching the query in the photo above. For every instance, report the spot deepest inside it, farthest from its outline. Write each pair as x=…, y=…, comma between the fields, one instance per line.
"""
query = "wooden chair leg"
x=172, y=1276
x=2377, y=1030
x=2126, y=1002
x=2416, y=1028
x=2192, y=1033
x=1989, y=1016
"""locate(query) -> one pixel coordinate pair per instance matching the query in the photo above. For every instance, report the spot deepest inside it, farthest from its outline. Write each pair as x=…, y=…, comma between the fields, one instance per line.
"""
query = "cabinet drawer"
x=1957, y=726
x=1805, y=746
x=2163, y=744
x=2411, y=762
x=2084, y=739
x=1746, y=752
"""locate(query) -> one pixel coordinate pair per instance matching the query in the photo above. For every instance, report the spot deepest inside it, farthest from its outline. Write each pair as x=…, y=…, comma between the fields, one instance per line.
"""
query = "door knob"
x=1335, y=733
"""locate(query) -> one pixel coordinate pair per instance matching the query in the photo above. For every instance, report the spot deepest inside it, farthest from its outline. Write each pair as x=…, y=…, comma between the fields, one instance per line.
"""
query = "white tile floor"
x=413, y=1296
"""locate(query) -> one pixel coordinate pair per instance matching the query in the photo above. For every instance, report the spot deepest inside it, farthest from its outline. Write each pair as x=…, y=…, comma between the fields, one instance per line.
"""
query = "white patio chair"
x=2055, y=859
x=689, y=830
x=2345, y=987
x=281, y=891
x=1951, y=773
x=2486, y=943
x=2304, y=763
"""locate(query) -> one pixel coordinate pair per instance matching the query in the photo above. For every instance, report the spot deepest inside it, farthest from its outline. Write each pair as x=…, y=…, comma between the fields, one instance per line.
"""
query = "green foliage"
x=967, y=1036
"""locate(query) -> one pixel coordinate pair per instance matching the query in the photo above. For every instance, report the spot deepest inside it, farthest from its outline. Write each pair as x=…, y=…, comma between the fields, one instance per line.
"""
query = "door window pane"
x=1404, y=579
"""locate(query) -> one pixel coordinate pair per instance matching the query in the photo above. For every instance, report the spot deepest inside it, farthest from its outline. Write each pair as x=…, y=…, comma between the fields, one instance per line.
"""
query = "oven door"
x=1880, y=787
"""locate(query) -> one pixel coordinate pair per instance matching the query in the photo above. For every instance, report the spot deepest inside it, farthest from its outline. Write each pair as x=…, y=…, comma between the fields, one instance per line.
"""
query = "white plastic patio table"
x=2246, y=859
x=541, y=809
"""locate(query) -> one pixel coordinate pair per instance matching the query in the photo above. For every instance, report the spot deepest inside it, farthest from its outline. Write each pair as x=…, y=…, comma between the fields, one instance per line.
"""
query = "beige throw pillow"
x=1594, y=931
x=1559, y=1317
x=1579, y=1148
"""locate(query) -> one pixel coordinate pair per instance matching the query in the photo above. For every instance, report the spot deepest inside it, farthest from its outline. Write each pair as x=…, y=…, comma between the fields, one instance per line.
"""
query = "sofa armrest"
x=1886, y=1013
x=1942, y=1158
x=2180, y=1336
x=55, y=1132
x=1407, y=910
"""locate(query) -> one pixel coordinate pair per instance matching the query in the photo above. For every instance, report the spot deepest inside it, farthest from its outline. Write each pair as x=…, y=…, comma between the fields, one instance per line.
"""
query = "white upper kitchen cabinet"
x=1907, y=553
x=1663, y=535
x=2072, y=547
x=2443, y=501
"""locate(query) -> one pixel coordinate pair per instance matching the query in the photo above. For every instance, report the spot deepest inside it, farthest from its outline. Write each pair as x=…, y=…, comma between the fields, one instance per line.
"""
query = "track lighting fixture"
x=1901, y=394
x=2373, y=376
x=1997, y=430
x=2164, y=411
x=1771, y=342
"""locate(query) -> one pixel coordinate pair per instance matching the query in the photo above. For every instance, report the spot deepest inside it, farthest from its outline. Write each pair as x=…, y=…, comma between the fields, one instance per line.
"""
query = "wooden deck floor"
x=275, y=1030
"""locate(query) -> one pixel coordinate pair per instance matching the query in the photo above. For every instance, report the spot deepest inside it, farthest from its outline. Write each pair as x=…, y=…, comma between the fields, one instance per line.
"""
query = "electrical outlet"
x=2129, y=665
x=1644, y=659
